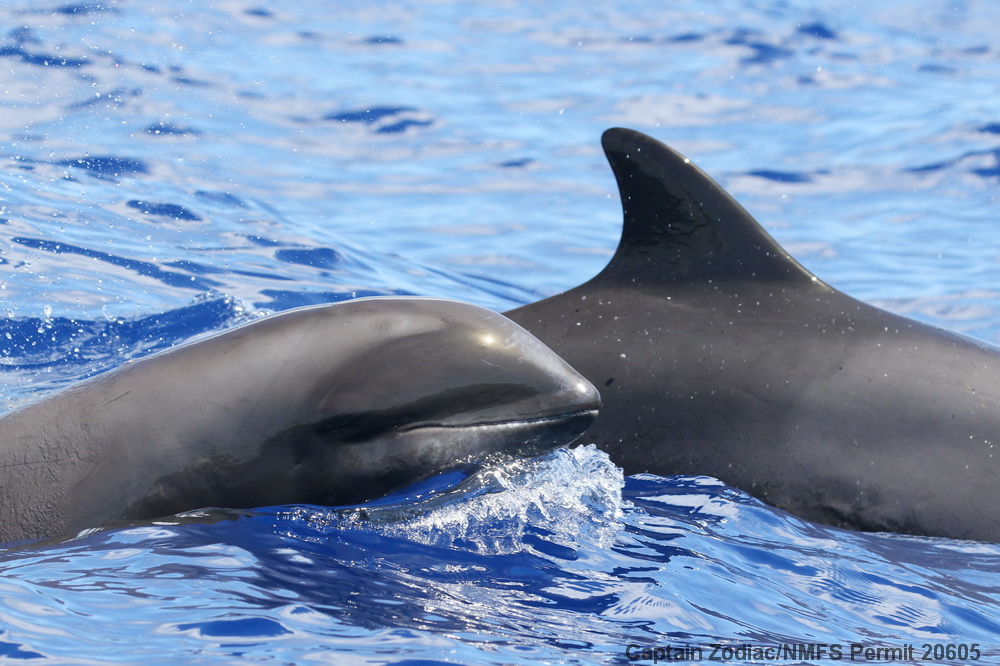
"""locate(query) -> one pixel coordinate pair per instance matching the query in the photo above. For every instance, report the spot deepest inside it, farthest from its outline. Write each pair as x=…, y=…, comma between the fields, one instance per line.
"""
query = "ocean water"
x=171, y=169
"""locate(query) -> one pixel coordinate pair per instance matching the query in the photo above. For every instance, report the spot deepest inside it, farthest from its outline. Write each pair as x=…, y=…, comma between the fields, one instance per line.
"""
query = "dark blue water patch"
x=191, y=266
x=178, y=75
x=15, y=651
x=249, y=627
x=587, y=605
x=363, y=595
x=203, y=269
x=43, y=59
x=144, y=268
x=170, y=210
x=987, y=172
x=283, y=299
x=781, y=176
x=817, y=30
x=167, y=128
x=763, y=53
x=402, y=126
x=256, y=94
x=651, y=495
x=427, y=488
x=993, y=172
x=22, y=163
x=934, y=68
x=108, y=165
x=221, y=198
x=990, y=128
x=880, y=581
x=517, y=164
x=367, y=116
x=518, y=571
x=383, y=39
x=651, y=546
x=384, y=119
x=774, y=560
x=547, y=547
x=259, y=12
x=974, y=618
x=321, y=257
x=191, y=81
x=926, y=168
x=84, y=9
x=203, y=315
x=687, y=37
x=33, y=344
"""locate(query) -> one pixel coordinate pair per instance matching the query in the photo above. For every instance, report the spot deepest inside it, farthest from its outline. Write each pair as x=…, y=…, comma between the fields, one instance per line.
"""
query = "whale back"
x=717, y=353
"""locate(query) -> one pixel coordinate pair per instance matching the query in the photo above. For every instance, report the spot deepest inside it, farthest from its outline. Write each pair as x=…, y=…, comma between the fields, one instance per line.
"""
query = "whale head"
x=447, y=384
x=343, y=403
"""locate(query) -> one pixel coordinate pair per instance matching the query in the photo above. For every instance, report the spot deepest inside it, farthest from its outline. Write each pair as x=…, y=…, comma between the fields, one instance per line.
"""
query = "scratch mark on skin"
x=94, y=467
x=116, y=399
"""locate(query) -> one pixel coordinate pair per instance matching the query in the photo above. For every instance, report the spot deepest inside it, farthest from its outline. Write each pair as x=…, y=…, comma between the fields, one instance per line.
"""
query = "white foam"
x=569, y=497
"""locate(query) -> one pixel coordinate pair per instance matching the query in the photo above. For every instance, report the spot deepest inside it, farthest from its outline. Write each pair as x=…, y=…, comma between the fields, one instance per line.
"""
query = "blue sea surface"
x=171, y=169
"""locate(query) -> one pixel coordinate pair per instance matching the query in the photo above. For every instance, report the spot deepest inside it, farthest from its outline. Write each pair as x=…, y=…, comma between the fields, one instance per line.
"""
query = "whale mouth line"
x=591, y=413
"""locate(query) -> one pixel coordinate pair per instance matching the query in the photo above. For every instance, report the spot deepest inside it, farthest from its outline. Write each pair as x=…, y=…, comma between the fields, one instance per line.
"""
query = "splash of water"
x=565, y=498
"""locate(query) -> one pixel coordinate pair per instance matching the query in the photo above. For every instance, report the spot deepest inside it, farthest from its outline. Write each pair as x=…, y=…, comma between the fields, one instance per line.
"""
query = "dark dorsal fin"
x=681, y=226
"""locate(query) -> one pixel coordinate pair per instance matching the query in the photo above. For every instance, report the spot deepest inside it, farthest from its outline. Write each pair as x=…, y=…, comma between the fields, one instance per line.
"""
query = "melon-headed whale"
x=716, y=353
x=329, y=404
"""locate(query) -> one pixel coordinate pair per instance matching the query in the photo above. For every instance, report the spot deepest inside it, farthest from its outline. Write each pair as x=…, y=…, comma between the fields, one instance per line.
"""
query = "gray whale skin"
x=331, y=404
x=716, y=353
